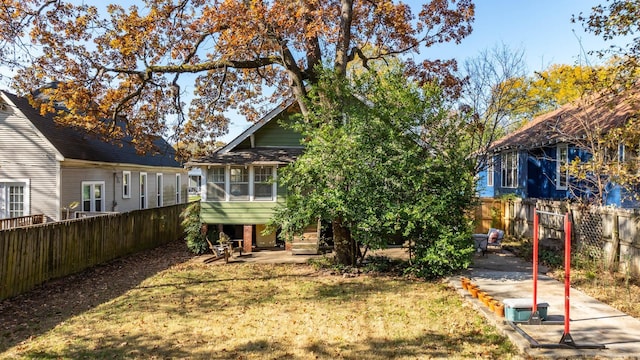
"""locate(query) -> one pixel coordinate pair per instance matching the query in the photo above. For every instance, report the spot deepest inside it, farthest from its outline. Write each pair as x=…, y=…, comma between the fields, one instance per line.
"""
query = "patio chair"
x=220, y=251
x=492, y=239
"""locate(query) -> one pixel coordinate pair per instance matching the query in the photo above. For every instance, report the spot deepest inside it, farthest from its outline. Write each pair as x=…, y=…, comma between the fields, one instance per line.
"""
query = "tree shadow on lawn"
x=116, y=347
x=41, y=309
x=428, y=345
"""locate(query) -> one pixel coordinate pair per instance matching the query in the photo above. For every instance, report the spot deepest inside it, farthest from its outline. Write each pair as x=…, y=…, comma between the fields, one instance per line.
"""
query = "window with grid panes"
x=16, y=201
x=215, y=184
x=262, y=183
x=239, y=183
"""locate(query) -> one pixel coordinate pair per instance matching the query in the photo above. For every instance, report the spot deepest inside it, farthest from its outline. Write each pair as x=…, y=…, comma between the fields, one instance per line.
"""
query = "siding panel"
x=26, y=155
x=237, y=213
x=273, y=134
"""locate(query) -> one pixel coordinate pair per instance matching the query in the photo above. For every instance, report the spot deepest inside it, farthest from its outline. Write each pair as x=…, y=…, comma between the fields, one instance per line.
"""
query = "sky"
x=541, y=28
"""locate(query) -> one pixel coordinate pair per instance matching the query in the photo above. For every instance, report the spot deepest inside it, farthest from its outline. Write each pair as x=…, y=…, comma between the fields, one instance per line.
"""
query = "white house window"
x=178, y=187
x=562, y=170
x=239, y=183
x=263, y=186
x=216, y=181
x=16, y=201
x=490, y=170
x=93, y=196
x=143, y=191
x=509, y=169
x=159, y=187
x=126, y=184
x=14, y=198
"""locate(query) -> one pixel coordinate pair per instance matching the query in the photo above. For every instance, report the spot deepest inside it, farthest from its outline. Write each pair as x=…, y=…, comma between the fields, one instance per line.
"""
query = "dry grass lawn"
x=619, y=290
x=242, y=311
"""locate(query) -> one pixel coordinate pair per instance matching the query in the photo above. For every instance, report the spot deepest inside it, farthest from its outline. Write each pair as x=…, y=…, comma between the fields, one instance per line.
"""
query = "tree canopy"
x=139, y=63
x=385, y=158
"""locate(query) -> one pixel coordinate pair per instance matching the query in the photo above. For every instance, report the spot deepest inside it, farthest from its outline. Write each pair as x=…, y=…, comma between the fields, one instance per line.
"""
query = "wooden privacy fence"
x=609, y=234
x=32, y=255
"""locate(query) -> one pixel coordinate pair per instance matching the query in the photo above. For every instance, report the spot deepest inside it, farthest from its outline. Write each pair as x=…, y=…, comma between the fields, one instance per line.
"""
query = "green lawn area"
x=258, y=311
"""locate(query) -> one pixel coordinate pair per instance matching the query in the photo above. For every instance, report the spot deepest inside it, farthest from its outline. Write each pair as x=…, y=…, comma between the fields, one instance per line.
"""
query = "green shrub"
x=195, y=238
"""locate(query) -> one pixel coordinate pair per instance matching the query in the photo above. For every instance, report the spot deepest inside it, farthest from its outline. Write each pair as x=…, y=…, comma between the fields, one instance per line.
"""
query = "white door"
x=92, y=196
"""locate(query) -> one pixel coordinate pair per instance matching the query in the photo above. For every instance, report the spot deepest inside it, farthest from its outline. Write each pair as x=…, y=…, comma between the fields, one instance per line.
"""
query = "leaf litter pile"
x=165, y=303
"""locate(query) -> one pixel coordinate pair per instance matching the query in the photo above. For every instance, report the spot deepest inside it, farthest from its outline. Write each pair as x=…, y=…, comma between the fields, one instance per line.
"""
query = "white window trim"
x=559, y=163
x=92, y=200
x=274, y=189
x=159, y=190
x=126, y=185
x=178, y=189
x=503, y=171
x=144, y=198
x=490, y=171
x=251, y=183
x=27, y=195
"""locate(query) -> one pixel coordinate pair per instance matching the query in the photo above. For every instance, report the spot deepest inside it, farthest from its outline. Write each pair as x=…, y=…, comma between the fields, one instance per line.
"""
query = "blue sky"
x=542, y=28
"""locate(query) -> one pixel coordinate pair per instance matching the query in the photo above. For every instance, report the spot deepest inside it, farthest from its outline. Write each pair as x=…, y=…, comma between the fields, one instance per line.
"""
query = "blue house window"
x=562, y=170
x=509, y=169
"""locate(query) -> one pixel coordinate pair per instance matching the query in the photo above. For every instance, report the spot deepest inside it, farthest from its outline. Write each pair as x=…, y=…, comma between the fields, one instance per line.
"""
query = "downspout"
x=115, y=203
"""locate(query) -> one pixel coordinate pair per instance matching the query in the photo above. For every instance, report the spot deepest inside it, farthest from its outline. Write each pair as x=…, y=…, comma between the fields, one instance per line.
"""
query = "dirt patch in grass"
x=161, y=305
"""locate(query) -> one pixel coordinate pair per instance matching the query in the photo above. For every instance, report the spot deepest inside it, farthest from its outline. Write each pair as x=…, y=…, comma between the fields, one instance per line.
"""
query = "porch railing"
x=21, y=221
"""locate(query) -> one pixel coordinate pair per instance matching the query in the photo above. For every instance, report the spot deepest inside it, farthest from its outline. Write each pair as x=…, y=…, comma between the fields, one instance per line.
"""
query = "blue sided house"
x=529, y=162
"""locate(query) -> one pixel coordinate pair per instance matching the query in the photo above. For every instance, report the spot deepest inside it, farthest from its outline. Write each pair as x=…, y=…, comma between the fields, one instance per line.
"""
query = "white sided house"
x=63, y=172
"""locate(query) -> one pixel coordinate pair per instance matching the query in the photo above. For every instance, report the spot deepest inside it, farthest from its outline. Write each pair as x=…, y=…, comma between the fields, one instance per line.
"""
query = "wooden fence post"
x=615, y=243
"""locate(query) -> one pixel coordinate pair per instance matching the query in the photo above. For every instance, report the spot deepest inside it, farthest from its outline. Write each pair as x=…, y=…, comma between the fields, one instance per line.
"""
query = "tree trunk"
x=344, y=245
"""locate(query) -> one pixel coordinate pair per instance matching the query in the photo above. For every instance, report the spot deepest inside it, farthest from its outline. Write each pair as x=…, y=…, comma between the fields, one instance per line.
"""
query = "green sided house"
x=240, y=180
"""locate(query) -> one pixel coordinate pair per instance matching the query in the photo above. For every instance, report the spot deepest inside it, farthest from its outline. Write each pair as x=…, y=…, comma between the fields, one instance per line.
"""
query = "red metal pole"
x=567, y=270
x=535, y=260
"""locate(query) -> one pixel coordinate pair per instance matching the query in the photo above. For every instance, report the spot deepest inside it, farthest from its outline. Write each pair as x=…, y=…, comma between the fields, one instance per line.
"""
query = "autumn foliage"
x=143, y=63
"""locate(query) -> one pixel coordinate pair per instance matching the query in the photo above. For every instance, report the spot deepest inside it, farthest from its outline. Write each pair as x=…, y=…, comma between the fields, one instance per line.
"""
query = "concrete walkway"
x=504, y=276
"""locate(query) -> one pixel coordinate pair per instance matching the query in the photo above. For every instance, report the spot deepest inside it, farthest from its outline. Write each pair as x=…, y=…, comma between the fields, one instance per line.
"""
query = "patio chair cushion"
x=492, y=238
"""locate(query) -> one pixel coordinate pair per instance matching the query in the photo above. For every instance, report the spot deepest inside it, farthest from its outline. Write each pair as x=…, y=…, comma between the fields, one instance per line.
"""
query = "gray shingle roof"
x=250, y=156
x=78, y=144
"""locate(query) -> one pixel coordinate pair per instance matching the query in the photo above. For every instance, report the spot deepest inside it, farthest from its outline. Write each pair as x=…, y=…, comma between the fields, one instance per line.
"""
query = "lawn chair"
x=220, y=251
x=491, y=240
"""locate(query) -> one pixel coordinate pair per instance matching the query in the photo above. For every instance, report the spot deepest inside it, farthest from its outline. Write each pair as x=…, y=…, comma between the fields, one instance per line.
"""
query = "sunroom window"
x=239, y=183
x=263, y=186
x=215, y=184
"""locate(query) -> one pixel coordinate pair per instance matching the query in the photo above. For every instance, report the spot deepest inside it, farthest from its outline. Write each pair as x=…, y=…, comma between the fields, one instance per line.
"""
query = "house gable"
x=269, y=131
x=28, y=163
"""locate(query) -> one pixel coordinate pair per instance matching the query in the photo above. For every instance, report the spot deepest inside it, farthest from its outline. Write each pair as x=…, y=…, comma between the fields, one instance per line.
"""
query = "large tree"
x=238, y=54
x=386, y=159
x=138, y=63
